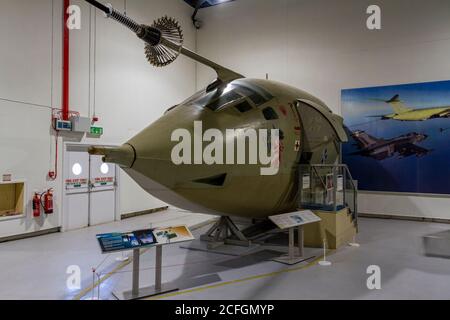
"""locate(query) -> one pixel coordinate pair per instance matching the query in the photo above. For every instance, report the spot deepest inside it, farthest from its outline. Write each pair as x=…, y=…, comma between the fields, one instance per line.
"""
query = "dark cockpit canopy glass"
x=238, y=92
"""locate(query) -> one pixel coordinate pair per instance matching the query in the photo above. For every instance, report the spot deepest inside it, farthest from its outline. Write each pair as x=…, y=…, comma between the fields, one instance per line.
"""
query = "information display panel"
x=115, y=242
x=112, y=242
x=173, y=234
x=294, y=219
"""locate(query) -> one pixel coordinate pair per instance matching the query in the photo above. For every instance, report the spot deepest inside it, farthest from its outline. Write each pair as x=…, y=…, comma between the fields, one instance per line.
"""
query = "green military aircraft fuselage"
x=308, y=133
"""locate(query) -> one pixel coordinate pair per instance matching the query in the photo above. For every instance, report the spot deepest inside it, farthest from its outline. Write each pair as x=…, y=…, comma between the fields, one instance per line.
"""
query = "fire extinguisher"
x=48, y=201
x=36, y=205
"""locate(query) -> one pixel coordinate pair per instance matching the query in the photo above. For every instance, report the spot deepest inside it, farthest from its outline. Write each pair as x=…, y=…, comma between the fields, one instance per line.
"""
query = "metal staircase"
x=328, y=188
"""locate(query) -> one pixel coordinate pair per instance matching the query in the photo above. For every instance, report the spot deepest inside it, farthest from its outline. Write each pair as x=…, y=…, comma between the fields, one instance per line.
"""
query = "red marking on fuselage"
x=283, y=110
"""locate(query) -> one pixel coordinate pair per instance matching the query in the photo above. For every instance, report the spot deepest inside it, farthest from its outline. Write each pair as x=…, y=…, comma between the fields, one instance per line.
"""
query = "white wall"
x=323, y=46
x=128, y=93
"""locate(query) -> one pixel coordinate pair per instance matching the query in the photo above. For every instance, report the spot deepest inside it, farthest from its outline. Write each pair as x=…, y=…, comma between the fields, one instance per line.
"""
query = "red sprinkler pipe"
x=66, y=61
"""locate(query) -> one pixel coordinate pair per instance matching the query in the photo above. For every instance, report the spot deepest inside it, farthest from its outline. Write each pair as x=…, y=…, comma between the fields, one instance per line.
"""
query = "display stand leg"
x=300, y=241
x=291, y=244
x=136, y=263
x=295, y=255
x=158, y=289
x=158, y=269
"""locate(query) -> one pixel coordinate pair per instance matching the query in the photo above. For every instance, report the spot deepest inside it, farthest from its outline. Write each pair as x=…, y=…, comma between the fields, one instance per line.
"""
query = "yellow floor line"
x=226, y=283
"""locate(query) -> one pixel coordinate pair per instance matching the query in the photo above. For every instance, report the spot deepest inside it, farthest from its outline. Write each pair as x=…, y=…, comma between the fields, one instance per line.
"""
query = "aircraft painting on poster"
x=399, y=137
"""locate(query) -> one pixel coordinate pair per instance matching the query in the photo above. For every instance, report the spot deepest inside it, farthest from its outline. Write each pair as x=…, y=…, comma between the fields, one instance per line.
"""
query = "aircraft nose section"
x=125, y=155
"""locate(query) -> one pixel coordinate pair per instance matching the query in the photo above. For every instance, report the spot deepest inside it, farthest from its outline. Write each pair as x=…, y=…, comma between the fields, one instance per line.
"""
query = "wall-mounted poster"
x=399, y=137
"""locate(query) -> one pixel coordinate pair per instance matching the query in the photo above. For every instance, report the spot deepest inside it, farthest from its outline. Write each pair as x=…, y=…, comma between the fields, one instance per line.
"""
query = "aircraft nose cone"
x=149, y=153
x=124, y=156
x=153, y=147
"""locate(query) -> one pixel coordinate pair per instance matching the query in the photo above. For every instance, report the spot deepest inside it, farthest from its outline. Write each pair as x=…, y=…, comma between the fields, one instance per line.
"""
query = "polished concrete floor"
x=36, y=268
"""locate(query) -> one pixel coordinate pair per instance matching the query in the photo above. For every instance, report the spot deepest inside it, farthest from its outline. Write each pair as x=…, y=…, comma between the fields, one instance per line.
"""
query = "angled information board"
x=137, y=240
x=172, y=235
x=294, y=219
x=116, y=242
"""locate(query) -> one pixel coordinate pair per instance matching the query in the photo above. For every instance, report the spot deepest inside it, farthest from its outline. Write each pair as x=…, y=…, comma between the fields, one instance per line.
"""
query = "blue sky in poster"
x=427, y=174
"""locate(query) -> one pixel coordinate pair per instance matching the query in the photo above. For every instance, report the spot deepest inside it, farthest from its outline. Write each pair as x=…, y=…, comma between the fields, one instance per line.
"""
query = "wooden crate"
x=336, y=227
x=12, y=199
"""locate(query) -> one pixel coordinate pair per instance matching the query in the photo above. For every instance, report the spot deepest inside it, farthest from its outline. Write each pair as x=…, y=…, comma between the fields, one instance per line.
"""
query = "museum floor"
x=36, y=268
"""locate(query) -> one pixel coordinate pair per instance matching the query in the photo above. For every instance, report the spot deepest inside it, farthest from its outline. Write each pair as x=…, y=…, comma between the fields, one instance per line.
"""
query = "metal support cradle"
x=225, y=231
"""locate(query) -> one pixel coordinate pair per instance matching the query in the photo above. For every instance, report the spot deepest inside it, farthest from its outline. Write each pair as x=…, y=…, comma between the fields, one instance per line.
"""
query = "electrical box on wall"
x=81, y=124
x=62, y=125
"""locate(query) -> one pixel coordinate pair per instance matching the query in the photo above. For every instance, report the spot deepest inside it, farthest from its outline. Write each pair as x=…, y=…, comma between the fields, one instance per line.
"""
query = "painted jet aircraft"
x=309, y=133
x=404, y=113
x=381, y=149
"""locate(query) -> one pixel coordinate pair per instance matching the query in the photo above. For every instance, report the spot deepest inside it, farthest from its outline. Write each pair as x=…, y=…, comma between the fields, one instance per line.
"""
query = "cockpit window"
x=244, y=106
x=223, y=100
x=270, y=114
x=256, y=94
x=237, y=91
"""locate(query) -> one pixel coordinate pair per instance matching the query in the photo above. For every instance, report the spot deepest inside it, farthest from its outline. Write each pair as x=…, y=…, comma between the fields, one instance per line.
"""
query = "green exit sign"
x=96, y=131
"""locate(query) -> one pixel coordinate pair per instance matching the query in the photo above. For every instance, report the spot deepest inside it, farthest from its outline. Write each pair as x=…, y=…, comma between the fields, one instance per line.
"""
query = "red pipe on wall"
x=66, y=61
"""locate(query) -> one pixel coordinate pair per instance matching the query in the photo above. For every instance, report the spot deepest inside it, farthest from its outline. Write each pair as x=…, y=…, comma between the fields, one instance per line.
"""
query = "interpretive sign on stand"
x=292, y=221
x=115, y=242
x=137, y=240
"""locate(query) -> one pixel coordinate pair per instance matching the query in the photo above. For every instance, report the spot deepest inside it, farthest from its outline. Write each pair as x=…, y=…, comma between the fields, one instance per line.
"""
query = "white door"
x=90, y=189
x=102, y=191
x=76, y=185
